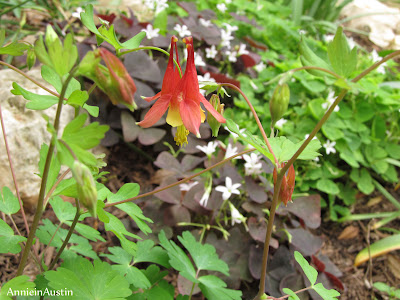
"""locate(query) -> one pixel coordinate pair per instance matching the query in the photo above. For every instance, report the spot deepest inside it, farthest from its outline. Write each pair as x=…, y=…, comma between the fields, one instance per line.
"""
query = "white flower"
x=230, y=28
x=77, y=13
x=228, y=189
x=253, y=85
x=230, y=151
x=236, y=216
x=205, y=197
x=211, y=52
x=160, y=5
x=231, y=55
x=253, y=166
x=209, y=149
x=329, y=101
x=182, y=30
x=329, y=147
x=351, y=43
x=149, y=4
x=302, y=31
x=328, y=38
x=198, y=60
x=376, y=58
x=242, y=50
x=228, y=1
x=259, y=67
x=222, y=7
x=187, y=186
x=205, y=23
x=151, y=32
x=280, y=123
x=226, y=38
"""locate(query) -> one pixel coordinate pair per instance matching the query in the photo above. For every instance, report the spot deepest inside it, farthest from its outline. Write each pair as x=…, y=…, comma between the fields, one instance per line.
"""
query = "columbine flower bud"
x=85, y=184
x=287, y=186
x=30, y=58
x=279, y=102
x=211, y=120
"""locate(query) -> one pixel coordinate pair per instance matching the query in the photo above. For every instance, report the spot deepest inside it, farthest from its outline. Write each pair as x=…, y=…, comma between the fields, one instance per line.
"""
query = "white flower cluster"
x=201, y=78
x=151, y=32
x=156, y=5
x=329, y=101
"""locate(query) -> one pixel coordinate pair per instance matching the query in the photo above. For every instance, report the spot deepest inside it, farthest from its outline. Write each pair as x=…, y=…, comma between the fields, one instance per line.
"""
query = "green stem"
x=186, y=179
x=153, y=48
x=39, y=210
x=386, y=194
x=70, y=231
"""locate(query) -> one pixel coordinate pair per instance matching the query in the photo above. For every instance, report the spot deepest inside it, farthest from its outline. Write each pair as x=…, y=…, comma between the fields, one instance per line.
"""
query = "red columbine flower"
x=287, y=186
x=182, y=97
x=120, y=85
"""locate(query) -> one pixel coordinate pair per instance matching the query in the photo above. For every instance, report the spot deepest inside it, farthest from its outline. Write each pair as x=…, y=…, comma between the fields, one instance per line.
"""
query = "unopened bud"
x=30, y=58
x=211, y=120
x=86, y=187
x=279, y=103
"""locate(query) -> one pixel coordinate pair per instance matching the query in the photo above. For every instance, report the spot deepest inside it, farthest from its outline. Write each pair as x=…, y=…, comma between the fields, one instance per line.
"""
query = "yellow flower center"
x=181, y=136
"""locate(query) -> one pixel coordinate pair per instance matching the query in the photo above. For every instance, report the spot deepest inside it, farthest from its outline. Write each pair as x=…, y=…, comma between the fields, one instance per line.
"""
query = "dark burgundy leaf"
x=190, y=8
x=175, y=214
x=306, y=242
x=162, y=41
x=221, y=78
x=189, y=162
x=108, y=18
x=255, y=259
x=250, y=60
x=166, y=160
x=141, y=66
x=185, y=286
x=336, y=281
x=114, y=118
x=255, y=44
x=306, y=208
x=257, y=229
x=281, y=263
x=130, y=130
x=243, y=18
x=143, y=90
x=256, y=192
x=329, y=265
x=123, y=27
x=254, y=208
x=294, y=282
x=151, y=136
x=110, y=138
x=318, y=264
x=192, y=198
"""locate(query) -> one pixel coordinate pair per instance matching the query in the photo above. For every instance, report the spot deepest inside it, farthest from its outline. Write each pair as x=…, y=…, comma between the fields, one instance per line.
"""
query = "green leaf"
x=87, y=19
x=325, y=293
x=378, y=248
x=14, y=49
x=64, y=210
x=309, y=271
x=87, y=231
x=9, y=243
x=204, y=256
x=87, y=281
x=9, y=203
x=292, y=294
x=147, y=252
x=284, y=149
x=52, y=77
x=214, y=288
x=19, y=283
x=161, y=22
x=328, y=186
x=2, y=36
x=309, y=58
x=134, y=42
x=365, y=183
x=343, y=60
x=37, y=102
x=77, y=244
x=78, y=98
x=130, y=190
x=118, y=228
x=54, y=169
x=178, y=259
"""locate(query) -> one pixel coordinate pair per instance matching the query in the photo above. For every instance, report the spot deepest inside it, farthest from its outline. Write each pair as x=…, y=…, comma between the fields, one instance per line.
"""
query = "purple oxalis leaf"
x=151, y=136
x=141, y=66
x=305, y=241
x=256, y=191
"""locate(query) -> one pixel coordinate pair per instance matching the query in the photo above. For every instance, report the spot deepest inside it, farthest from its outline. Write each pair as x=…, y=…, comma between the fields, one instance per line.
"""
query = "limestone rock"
x=26, y=132
x=381, y=21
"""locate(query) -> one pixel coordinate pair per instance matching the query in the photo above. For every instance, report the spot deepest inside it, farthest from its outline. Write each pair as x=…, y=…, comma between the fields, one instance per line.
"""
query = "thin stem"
x=287, y=296
x=54, y=234
x=153, y=48
x=70, y=231
x=46, y=199
x=194, y=284
x=12, y=172
x=186, y=179
x=232, y=86
x=30, y=78
x=39, y=210
x=316, y=68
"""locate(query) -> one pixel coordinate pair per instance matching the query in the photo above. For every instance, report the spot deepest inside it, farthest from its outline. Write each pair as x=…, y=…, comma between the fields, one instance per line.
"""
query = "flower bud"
x=287, y=186
x=30, y=58
x=86, y=187
x=279, y=102
x=211, y=120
